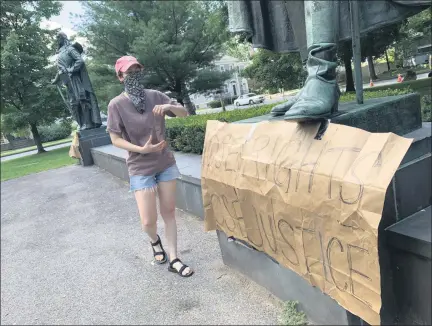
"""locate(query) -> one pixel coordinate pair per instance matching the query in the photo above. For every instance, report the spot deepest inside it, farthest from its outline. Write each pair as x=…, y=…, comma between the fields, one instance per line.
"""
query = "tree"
x=210, y=81
x=27, y=98
x=376, y=43
x=345, y=55
x=273, y=71
x=173, y=39
x=412, y=29
x=238, y=49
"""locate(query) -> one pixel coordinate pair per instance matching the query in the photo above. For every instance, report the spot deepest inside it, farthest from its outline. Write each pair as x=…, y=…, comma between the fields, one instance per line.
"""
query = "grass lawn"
x=36, y=163
x=421, y=86
x=26, y=149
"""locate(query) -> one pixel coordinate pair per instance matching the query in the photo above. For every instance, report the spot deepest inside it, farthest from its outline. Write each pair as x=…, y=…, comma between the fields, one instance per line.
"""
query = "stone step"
x=189, y=197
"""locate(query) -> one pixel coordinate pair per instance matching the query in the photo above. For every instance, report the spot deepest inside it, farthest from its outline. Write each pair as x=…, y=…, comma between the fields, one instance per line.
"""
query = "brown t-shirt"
x=135, y=127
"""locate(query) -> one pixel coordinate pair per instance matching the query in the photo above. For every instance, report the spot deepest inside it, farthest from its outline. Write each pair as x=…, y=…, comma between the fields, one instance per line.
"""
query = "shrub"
x=410, y=75
x=187, y=134
x=370, y=93
x=214, y=104
x=217, y=103
x=56, y=131
x=427, y=108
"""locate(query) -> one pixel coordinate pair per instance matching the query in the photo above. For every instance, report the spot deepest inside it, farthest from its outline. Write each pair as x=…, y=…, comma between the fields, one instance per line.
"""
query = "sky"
x=63, y=20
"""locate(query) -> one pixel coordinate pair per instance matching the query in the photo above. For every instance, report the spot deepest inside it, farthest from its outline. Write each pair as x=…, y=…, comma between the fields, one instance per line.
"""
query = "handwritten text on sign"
x=313, y=205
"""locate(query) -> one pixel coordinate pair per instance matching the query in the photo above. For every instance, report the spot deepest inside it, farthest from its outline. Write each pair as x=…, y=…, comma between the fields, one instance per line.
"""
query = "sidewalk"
x=73, y=253
x=33, y=151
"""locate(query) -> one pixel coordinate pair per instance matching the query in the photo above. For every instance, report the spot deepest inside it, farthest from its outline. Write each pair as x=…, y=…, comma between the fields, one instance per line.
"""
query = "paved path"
x=11, y=157
x=73, y=253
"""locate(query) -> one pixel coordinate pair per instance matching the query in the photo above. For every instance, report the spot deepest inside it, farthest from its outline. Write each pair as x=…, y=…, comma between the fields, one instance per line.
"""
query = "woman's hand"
x=151, y=148
x=161, y=109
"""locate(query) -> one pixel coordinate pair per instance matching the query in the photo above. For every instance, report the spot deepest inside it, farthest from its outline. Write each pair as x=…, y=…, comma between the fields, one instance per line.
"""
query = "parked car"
x=250, y=98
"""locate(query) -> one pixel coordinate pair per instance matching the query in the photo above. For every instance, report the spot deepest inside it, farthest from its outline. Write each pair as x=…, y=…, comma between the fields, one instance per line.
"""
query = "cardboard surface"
x=313, y=205
x=74, y=148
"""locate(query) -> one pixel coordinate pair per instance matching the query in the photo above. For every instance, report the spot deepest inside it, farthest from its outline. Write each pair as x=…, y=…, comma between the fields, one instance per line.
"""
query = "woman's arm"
x=119, y=142
x=178, y=110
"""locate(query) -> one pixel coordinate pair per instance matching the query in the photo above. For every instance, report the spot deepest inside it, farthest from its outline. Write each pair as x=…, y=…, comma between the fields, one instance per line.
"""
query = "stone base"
x=410, y=254
x=397, y=114
x=284, y=283
x=89, y=139
x=188, y=195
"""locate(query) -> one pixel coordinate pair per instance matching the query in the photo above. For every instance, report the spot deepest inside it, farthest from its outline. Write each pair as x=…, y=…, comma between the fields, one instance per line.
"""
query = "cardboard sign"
x=313, y=205
x=74, y=148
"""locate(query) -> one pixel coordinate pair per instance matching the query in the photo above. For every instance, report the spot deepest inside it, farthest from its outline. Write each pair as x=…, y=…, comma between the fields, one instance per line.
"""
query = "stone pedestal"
x=89, y=139
x=399, y=114
x=408, y=194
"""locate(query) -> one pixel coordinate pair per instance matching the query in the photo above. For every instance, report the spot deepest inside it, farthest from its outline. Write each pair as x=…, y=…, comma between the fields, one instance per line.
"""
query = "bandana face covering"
x=134, y=88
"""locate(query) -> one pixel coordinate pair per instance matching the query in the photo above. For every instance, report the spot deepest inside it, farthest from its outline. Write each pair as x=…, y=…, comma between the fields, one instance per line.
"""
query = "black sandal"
x=158, y=253
x=180, y=271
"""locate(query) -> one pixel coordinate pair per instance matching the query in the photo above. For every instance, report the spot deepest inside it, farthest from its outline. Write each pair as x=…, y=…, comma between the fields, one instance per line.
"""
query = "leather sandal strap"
x=182, y=269
x=175, y=261
x=158, y=242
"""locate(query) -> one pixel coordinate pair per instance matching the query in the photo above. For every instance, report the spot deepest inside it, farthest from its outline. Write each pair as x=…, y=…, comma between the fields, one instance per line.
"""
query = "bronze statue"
x=72, y=73
x=313, y=28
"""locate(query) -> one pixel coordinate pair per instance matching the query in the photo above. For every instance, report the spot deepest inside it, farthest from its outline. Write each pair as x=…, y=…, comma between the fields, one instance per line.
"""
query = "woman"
x=136, y=123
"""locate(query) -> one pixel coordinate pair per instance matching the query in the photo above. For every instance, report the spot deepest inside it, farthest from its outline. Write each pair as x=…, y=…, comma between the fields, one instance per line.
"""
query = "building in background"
x=418, y=52
x=232, y=88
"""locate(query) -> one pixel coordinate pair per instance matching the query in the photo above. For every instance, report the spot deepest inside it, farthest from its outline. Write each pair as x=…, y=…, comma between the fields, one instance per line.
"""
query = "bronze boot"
x=320, y=95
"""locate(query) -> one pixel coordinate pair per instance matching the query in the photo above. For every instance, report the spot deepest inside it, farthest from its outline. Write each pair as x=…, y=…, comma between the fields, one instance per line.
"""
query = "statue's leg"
x=94, y=109
x=320, y=95
x=86, y=113
x=75, y=112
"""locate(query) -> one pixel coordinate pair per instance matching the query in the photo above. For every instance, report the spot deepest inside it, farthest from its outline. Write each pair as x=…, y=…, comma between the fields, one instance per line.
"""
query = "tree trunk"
x=388, y=62
x=37, y=138
x=372, y=73
x=188, y=103
x=222, y=102
x=349, y=79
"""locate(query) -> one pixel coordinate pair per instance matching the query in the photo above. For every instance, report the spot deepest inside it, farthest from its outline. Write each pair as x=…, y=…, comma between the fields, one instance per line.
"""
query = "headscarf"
x=134, y=88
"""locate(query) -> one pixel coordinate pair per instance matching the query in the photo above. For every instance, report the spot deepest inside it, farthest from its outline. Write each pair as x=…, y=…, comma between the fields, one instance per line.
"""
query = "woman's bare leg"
x=146, y=201
x=167, y=200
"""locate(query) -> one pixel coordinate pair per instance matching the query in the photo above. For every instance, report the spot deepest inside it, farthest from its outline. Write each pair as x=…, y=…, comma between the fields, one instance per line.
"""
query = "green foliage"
x=291, y=316
x=214, y=104
x=273, y=71
x=427, y=108
x=377, y=42
x=105, y=84
x=351, y=96
x=209, y=81
x=410, y=75
x=413, y=29
x=187, y=134
x=55, y=131
x=421, y=86
x=217, y=103
x=27, y=98
x=237, y=48
x=175, y=40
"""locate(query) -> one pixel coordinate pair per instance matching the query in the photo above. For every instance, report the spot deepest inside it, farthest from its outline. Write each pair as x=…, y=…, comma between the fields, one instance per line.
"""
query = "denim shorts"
x=141, y=182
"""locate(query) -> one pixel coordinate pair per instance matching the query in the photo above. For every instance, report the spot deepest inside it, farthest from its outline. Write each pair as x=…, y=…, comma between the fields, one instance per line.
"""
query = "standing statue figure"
x=72, y=73
x=313, y=28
